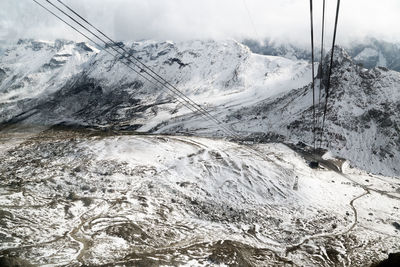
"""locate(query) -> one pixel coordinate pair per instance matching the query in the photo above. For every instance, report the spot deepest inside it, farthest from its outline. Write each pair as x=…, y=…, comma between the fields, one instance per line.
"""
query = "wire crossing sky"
x=285, y=20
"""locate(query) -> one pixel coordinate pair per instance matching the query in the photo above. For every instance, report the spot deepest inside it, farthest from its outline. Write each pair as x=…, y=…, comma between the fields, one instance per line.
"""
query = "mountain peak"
x=340, y=56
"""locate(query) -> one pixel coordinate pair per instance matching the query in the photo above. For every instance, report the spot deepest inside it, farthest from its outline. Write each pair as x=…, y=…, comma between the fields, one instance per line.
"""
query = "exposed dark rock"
x=3, y=75
x=171, y=61
x=392, y=261
x=84, y=47
x=396, y=225
x=128, y=231
x=14, y=262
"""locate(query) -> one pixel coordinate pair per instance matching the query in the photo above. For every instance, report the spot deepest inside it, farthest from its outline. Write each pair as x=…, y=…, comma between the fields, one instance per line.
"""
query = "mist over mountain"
x=370, y=52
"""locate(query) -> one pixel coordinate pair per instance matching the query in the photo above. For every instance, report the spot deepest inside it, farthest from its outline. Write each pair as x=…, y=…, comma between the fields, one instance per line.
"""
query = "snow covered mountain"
x=362, y=125
x=279, y=49
x=376, y=53
x=77, y=197
x=63, y=79
x=75, y=84
x=368, y=52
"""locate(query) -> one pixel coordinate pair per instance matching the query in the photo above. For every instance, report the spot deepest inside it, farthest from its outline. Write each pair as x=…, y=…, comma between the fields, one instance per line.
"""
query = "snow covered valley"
x=79, y=197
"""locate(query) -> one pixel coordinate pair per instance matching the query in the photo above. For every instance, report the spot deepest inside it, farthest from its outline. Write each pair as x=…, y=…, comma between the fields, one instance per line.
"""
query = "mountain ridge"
x=368, y=52
x=249, y=92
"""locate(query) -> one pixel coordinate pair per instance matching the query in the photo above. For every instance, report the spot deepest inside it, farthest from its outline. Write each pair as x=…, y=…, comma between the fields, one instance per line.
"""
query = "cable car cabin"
x=314, y=164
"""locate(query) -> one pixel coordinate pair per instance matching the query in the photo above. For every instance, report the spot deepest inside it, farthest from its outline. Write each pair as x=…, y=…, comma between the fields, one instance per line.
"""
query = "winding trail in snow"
x=353, y=225
x=83, y=243
x=355, y=211
x=336, y=166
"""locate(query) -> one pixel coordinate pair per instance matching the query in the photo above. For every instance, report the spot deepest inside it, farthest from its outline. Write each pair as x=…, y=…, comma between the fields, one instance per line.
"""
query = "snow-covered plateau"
x=99, y=167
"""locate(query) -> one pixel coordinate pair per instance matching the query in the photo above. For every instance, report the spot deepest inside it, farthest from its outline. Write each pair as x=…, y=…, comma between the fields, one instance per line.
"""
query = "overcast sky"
x=286, y=20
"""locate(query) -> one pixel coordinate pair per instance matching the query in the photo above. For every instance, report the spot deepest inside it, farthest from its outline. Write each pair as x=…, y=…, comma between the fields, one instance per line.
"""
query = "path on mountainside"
x=84, y=244
x=355, y=213
x=336, y=166
x=367, y=188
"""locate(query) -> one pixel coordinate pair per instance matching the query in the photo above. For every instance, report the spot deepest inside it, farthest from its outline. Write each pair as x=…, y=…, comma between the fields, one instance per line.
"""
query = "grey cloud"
x=198, y=19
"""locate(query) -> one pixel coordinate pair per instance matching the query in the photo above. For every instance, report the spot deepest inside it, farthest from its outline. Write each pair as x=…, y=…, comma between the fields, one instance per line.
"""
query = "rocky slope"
x=87, y=198
x=362, y=123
